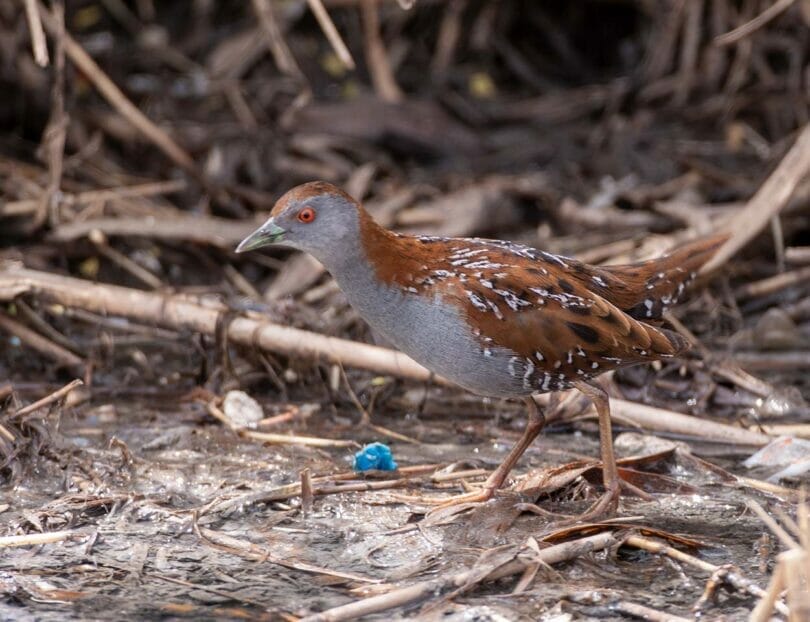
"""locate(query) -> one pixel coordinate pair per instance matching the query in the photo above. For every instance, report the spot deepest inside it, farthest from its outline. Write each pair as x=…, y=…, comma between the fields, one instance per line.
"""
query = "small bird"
x=497, y=318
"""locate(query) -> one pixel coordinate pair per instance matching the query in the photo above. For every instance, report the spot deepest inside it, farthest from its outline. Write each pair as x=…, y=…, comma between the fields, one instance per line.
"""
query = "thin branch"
x=284, y=58
x=48, y=399
x=769, y=200
x=381, y=74
x=37, y=34
x=758, y=22
x=328, y=27
x=181, y=312
x=417, y=592
x=118, y=100
x=37, y=538
x=41, y=344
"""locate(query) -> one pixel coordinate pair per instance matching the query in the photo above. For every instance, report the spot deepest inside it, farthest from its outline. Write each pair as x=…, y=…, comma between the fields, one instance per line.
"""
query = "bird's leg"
x=498, y=477
x=534, y=425
x=608, y=503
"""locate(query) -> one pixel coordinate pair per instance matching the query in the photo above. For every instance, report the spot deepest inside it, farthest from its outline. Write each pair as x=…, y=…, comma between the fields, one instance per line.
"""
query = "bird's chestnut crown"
x=316, y=217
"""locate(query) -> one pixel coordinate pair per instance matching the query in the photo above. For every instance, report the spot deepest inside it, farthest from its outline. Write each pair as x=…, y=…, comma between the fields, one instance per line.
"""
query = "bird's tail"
x=644, y=290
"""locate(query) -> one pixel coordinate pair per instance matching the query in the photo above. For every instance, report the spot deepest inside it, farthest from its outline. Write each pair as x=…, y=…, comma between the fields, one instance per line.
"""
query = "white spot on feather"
x=476, y=301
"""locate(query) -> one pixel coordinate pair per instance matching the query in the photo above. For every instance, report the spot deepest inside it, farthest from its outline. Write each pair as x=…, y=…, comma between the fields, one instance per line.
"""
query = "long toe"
x=458, y=503
x=605, y=507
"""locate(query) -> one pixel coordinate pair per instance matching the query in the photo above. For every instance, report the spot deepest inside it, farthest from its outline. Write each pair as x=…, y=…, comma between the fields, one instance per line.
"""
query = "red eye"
x=306, y=215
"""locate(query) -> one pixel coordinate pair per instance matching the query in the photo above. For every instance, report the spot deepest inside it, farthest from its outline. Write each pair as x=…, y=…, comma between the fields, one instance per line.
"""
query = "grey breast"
x=433, y=333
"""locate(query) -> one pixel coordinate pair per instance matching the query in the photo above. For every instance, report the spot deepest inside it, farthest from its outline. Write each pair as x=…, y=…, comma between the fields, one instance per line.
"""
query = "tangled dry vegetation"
x=143, y=140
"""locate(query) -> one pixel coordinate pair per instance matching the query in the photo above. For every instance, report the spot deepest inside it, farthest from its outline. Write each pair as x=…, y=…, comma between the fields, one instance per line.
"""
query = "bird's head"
x=316, y=217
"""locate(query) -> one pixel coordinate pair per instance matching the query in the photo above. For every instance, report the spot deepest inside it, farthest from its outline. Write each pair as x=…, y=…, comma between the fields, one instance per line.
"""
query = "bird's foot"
x=444, y=507
x=605, y=506
x=481, y=495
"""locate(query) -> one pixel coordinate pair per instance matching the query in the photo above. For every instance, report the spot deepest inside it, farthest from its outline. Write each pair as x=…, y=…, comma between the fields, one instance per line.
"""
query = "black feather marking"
x=584, y=332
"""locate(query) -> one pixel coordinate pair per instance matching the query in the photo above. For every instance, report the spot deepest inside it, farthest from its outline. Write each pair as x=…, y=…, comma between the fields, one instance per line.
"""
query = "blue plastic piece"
x=374, y=456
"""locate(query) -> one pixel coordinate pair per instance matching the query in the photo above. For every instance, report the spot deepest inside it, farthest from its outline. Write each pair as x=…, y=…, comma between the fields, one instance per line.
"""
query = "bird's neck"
x=373, y=272
x=393, y=258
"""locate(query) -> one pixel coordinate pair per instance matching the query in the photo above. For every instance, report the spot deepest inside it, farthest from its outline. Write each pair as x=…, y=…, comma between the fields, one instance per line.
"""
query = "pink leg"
x=495, y=481
x=608, y=503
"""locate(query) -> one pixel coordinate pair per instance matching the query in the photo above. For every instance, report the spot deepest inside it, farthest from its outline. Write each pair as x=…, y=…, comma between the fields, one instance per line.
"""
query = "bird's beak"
x=268, y=233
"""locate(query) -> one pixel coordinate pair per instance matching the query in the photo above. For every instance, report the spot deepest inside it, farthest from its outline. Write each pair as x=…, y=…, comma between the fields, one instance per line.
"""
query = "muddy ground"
x=137, y=509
